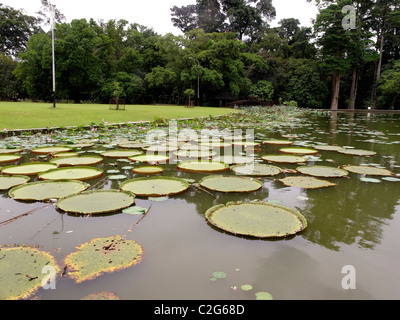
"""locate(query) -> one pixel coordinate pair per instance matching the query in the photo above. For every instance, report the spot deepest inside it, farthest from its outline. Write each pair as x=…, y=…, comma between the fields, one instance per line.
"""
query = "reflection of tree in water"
x=353, y=212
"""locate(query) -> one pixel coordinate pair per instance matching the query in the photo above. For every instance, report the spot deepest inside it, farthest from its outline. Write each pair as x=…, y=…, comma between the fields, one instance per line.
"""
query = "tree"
x=389, y=84
x=8, y=81
x=262, y=90
x=15, y=30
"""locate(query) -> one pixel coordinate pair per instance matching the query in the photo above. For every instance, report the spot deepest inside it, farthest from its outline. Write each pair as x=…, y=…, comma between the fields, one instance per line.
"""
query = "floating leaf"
x=367, y=170
x=246, y=287
x=96, y=202
x=256, y=169
x=71, y=173
x=150, y=158
x=327, y=148
x=155, y=186
x=45, y=190
x=357, y=152
x=284, y=158
x=391, y=179
x=6, y=158
x=148, y=170
x=121, y=153
x=29, y=169
x=306, y=182
x=8, y=182
x=256, y=219
x=278, y=142
x=323, y=171
x=48, y=150
x=230, y=184
x=10, y=151
x=65, y=154
x=372, y=180
x=262, y=295
x=21, y=271
x=102, y=255
x=77, y=161
x=203, y=166
x=219, y=274
x=117, y=177
x=300, y=151
x=233, y=159
x=135, y=210
x=194, y=154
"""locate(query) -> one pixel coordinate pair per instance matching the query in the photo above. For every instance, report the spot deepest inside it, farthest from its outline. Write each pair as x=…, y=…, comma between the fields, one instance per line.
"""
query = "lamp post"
x=51, y=7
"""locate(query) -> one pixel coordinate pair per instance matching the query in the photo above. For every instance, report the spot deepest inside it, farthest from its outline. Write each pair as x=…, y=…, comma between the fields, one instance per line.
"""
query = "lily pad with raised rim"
x=7, y=158
x=102, y=255
x=328, y=147
x=46, y=190
x=148, y=170
x=194, y=154
x=96, y=202
x=230, y=184
x=278, y=142
x=284, y=158
x=48, y=150
x=121, y=153
x=357, y=152
x=8, y=182
x=71, y=173
x=306, y=182
x=77, y=161
x=256, y=169
x=323, y=171
x=10, y=151
x=155, y=186
x=29, y=169
x=202, y=166
x=256, y=219
x=368, y=170
x=150, y=158
x=299, y=151
x=21, y=271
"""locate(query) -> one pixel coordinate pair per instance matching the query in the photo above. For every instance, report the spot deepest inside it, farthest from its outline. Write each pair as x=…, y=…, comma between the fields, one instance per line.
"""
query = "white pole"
x=53, y=55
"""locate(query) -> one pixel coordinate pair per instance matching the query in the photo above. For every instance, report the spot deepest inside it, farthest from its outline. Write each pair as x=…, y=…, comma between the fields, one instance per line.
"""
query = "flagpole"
x=53, y=55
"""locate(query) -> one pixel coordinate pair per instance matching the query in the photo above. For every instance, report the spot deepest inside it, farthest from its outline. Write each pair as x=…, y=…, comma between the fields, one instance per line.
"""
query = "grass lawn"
x=24, y=115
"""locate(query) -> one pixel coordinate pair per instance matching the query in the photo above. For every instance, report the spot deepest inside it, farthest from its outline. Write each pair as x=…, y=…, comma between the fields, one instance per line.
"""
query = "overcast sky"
x=154, y=14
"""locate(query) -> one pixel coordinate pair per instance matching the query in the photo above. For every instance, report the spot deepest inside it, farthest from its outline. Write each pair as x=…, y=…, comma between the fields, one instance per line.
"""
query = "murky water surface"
x=355, y=223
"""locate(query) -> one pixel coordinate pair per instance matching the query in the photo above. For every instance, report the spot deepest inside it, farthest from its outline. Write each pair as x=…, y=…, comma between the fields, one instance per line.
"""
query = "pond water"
x=355, y=223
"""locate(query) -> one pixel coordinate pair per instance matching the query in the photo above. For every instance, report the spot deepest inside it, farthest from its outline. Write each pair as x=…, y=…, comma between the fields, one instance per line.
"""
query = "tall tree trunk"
x=335, y=90
x=353, y=93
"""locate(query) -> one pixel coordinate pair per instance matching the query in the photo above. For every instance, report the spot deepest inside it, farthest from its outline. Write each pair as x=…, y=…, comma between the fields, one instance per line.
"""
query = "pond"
x=352, y=225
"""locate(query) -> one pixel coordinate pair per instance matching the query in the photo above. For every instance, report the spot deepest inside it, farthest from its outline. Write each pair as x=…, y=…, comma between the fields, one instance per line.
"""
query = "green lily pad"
x=278, y=142
x=262, y=295
x=10, y=151
x=391, y=179
x=323, y=171
x=299, y=151
x=6, y=158
x=121, y=153
x=306, y=182
x=357, y=152
x=194, y=154
x=96, y=202
x=230, y=184
x=256, y=169
x=246, y=287
x=150, y=158
x=48, y=150
x=202, y=166
x=256, y=219
x=8, y=182
x=133, y=145
x=155, y=186
x=71, y=173
x=29, y=169
x=135, y=210
x=102, y=255
x=284, y=158
x=77, y=161
x=368, y=170
x=65, y=154
x=228, y=159
x=372, y=180
x=327, y=148
x=148, y=170
x=45, y=190
x=218, y=275
x=21, y=271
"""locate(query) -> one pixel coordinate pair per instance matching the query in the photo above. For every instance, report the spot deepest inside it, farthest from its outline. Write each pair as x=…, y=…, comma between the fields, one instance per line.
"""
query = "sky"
x=154, y=14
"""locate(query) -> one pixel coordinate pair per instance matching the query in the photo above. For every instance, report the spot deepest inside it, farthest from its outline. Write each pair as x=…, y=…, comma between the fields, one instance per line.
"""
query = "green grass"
x=23, y=115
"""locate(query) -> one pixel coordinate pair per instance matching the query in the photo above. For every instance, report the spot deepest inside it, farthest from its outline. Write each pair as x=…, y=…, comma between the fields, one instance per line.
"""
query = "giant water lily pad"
x=328, y=147
x=357, y=152
x=256, y=169
x=284, y=158
x=230, y=184
x=45, y=190
x=300, y=151
x=48, y=150
x=256, y=219
x=77, y=161
x=155, y=186
x=368, y=170
x=71, y=173
x=21, y=271
x=236, y=159
x=6, y=158
x=306, y=182
x=96, y=202
x=148, y=170
x=29, y=169
x=121, y=153
x=10, y=151
x=195, y=154
x=323, y=171
x=8, y=182
x=203, y=166
x=150, y=158
x=278, y=142
x=102, y=255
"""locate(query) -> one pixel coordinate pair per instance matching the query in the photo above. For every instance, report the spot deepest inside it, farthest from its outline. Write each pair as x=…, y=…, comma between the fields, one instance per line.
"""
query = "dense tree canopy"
x=227, y=52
